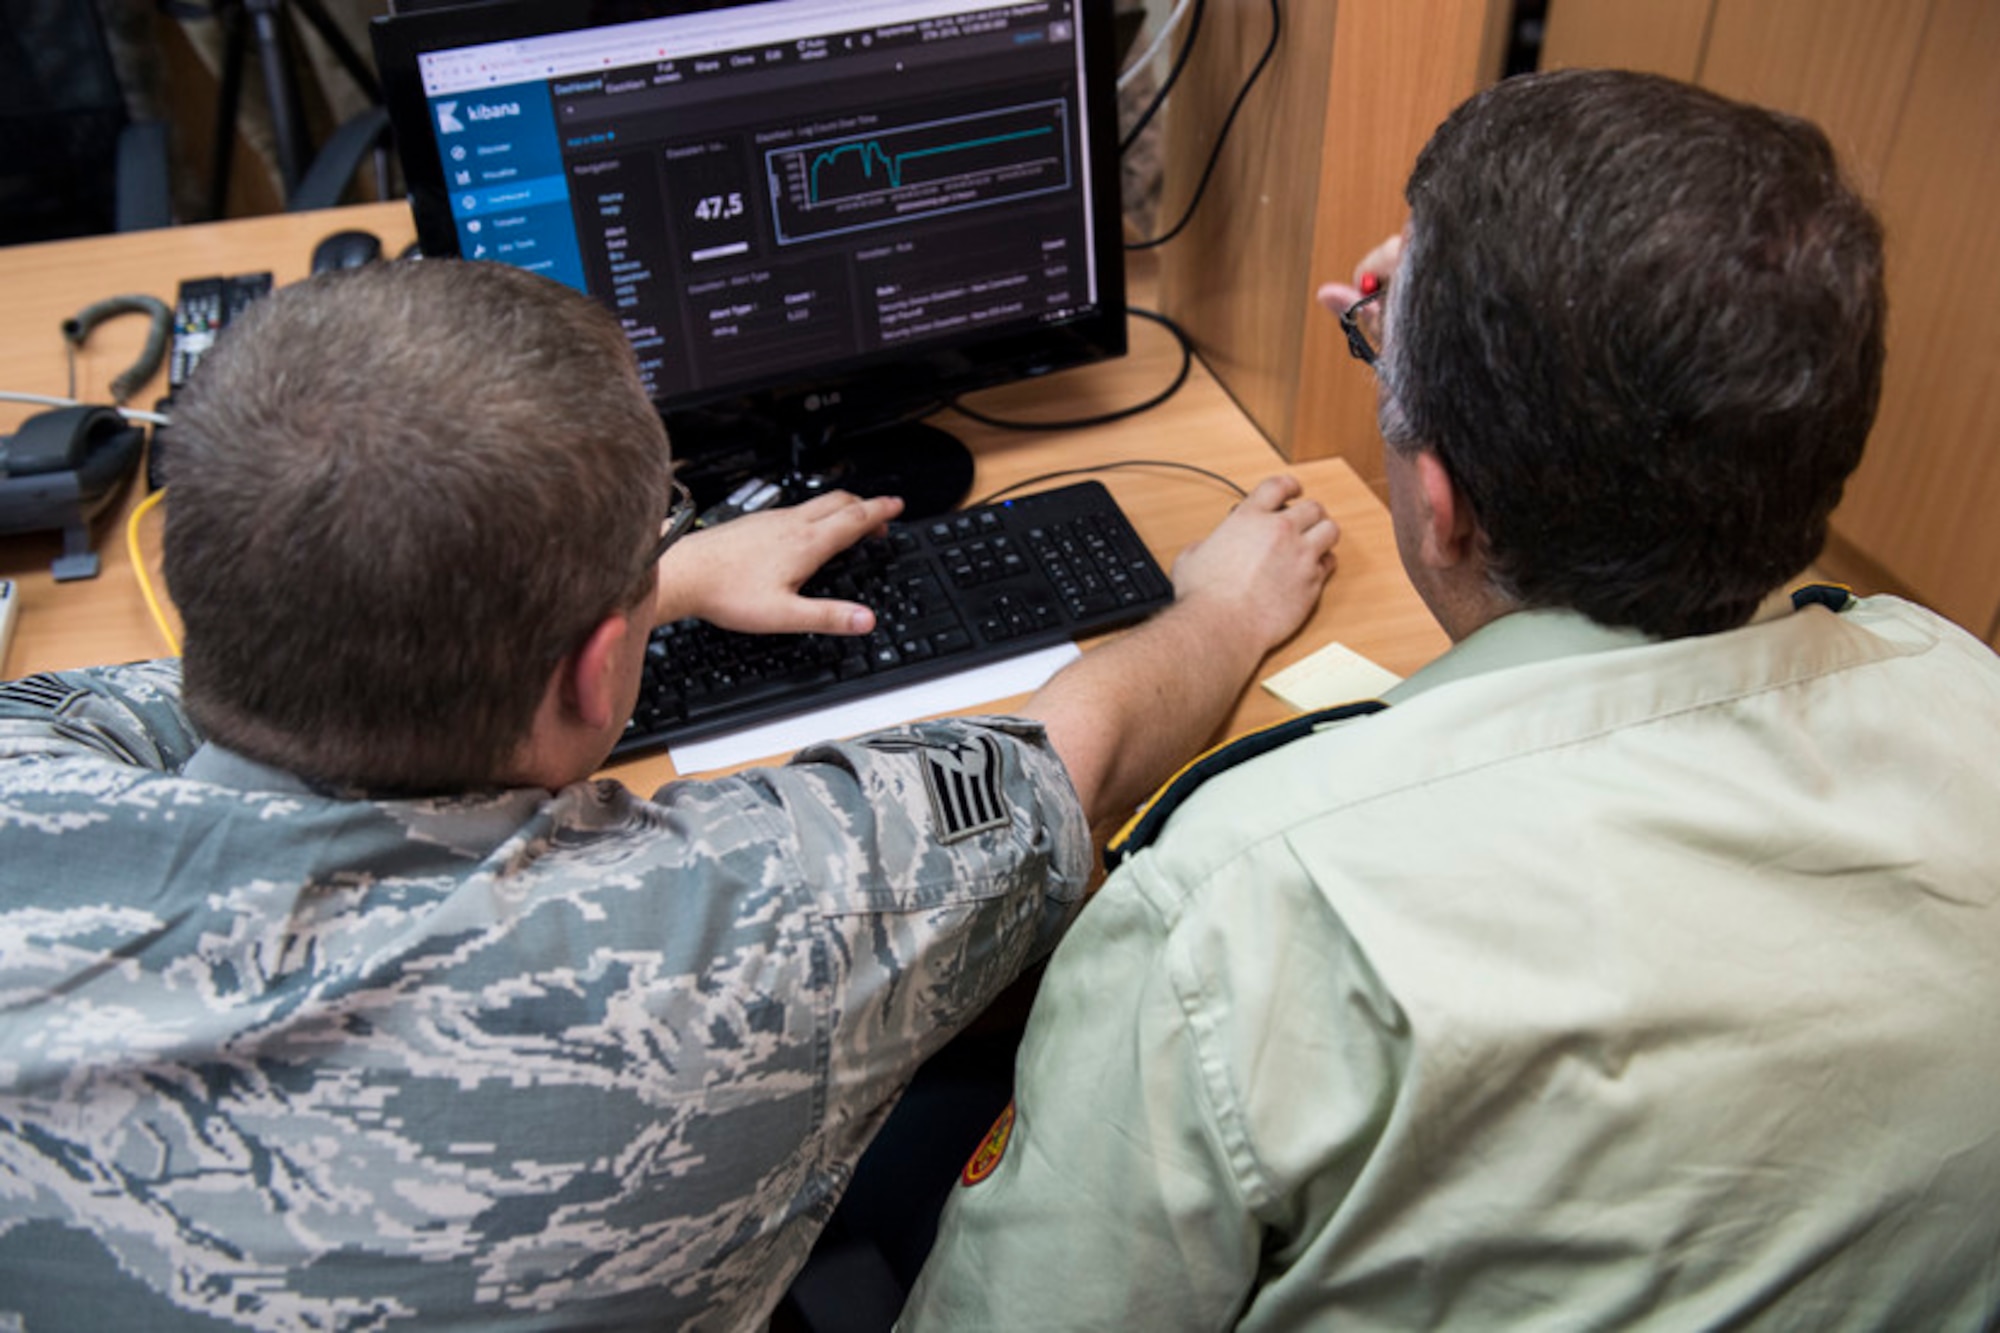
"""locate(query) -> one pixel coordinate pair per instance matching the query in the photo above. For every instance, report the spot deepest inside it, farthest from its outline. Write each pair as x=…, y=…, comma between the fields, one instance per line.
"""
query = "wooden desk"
x=1369, y=605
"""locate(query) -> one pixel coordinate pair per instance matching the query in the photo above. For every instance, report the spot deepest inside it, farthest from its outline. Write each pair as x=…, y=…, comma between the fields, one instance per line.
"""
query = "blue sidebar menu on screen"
x=504, y=166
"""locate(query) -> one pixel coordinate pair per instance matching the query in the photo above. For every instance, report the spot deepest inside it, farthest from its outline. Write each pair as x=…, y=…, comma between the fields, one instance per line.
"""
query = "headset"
x=65, y=465
x=59, y=470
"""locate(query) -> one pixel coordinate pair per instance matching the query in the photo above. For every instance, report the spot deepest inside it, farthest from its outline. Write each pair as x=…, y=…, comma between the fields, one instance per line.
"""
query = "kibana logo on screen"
x=449, y=123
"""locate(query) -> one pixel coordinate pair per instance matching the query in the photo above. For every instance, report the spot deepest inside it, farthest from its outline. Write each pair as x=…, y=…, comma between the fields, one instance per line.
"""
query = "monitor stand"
x=929, y=467
x=726, y=457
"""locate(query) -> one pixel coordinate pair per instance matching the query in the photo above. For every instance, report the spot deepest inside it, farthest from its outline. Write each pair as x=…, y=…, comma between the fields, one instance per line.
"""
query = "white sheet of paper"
x=946, y=694
x=1336, y=674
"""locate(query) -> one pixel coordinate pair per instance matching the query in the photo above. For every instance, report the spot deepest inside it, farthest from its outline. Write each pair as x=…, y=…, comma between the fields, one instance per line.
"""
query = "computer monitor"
x=817, y=220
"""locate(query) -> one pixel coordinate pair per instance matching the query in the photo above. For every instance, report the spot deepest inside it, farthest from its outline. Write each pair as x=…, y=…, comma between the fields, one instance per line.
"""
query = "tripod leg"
x=228, y=99
x=287, y=123
x=343, y=50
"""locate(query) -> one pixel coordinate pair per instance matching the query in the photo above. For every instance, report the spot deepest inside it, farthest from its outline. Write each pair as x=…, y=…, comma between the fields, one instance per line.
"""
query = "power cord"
x=1143, y=59
x=56, y=400
x=1113, y=466
x=1173, y=76
x=1187, y=365
x=1222, y=137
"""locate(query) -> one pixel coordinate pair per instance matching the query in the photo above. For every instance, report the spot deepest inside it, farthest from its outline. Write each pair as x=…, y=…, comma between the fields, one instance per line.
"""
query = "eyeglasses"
x=1357, y=341
x=678, y=523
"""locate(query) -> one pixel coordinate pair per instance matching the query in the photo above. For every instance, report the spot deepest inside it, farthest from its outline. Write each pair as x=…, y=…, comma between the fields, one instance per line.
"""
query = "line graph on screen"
x=892, y=174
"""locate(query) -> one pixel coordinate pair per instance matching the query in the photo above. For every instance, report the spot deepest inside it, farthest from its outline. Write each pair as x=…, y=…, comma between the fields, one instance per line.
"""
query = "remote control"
x=10, y=606
x=198, y=318
x=202, y=309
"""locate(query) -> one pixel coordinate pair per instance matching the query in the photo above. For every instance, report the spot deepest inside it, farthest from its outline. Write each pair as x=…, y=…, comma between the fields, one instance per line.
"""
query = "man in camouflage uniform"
x=333, y=994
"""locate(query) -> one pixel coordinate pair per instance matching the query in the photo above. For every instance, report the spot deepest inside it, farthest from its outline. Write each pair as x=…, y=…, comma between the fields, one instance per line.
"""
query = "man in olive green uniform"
x=1635, y=965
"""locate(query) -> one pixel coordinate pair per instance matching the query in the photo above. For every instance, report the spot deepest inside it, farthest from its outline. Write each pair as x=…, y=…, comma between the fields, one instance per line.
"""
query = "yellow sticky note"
x=1336, y=674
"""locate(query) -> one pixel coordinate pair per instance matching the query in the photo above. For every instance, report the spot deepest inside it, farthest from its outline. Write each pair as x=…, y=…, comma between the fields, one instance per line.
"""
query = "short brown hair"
x=397, y=497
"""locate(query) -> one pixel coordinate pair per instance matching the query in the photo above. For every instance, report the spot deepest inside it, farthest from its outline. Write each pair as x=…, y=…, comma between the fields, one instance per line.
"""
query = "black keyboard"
x=953, y=592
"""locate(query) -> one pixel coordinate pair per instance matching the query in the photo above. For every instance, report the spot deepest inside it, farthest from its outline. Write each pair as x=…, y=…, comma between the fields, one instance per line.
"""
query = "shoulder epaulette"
x=1833, y=596
x=1145, y=825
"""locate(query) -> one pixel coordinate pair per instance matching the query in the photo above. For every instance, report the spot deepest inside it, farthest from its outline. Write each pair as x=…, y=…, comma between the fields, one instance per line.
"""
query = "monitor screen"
x=815, y=219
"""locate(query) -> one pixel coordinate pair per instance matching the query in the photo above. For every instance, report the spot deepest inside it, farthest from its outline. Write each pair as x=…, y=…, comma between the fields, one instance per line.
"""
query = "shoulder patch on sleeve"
x=1144, y=826
x=986, y=1157
x=43, y=692
x=965, y=785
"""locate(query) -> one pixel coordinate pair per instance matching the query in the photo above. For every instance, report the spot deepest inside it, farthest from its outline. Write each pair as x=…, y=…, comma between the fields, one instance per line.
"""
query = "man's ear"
x=579, y=708
x=1450, y=534
x=590, y=685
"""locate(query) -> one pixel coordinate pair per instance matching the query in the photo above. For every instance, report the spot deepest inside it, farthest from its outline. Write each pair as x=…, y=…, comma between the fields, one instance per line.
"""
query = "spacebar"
x=753, y=693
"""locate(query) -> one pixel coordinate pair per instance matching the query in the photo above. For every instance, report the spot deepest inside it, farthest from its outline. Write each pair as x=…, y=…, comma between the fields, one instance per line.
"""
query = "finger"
x=825, y=502
x=808, y=615
x=821, y=507
x=1381, y=261
x=1337, y=296
x=1305, y=514
x=1275, y=493
x=1371, y=273
x=852, y=514
x=882, y=510
x=827, y=615
x=826, y=529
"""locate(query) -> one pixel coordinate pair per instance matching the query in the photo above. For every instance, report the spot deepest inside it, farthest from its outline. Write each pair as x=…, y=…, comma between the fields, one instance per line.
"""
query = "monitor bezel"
x=846, y=398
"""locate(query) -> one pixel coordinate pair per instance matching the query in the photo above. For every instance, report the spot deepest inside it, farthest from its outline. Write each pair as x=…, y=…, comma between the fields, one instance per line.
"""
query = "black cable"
x=1187, y=364
x=1173, y=76
x=1112, y=466
x=78, y=327
x=1215, y=154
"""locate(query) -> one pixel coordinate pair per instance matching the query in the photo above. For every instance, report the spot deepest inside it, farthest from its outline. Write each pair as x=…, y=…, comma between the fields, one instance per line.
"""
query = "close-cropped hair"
x=398, y=496
x=1641, y=327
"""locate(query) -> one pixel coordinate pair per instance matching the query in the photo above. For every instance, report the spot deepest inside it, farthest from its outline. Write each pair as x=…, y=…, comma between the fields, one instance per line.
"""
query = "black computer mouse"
x=346, y=249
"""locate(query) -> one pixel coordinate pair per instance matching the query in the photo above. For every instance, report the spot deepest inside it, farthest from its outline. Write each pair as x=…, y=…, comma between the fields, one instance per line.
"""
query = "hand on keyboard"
x=946, y=593
x=745, y=575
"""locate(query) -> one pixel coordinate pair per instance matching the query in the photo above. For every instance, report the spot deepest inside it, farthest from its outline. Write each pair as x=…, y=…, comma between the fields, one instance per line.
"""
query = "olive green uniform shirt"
x=1598, y=983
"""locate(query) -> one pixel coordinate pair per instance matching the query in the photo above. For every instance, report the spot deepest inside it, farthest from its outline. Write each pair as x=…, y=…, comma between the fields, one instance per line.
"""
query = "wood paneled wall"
x=1910, y=94
x=1312, y=177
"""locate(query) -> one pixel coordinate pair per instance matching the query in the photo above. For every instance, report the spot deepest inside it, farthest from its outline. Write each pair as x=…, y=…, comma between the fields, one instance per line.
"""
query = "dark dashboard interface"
x=768, y=190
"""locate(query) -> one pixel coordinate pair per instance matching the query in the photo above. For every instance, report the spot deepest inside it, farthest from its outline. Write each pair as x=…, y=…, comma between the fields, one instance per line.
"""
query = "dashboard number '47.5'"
x=718, y=207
